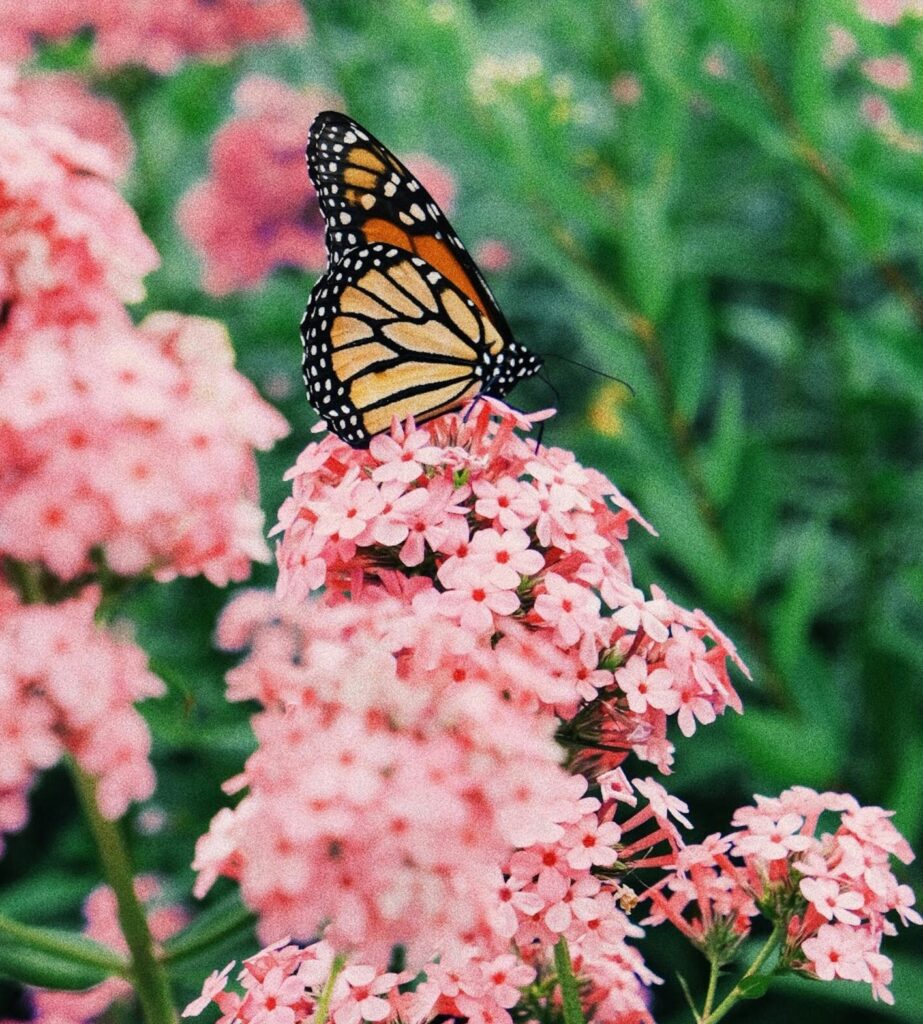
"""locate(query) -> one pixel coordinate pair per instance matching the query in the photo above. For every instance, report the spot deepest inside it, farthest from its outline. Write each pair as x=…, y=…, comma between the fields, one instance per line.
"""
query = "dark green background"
x=745, y=252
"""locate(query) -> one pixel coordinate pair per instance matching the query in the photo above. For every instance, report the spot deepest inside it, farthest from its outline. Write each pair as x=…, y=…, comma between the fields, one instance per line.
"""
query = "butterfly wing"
x=387, y=334
x=368, y=196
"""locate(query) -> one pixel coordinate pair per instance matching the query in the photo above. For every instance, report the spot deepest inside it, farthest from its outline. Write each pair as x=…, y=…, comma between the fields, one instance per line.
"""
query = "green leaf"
x=750, y=519
x=791, y=618
x=786, y=748
x=766, y=333
x=754, y=987
x=52, y=958
x=648, y=249
x=689, y=343
x=722, y=458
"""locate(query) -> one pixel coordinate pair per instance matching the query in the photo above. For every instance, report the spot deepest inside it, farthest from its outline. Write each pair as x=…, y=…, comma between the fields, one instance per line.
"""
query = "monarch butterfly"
x=402, y=323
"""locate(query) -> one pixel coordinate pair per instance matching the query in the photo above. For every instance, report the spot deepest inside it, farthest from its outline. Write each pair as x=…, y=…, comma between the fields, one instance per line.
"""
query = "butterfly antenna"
x=591, y=369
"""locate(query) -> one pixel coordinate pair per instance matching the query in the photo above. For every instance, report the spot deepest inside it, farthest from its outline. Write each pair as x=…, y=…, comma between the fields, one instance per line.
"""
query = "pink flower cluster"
x=159, y=34
x=388, y=782
x=257, y=209
x=831, y=892
x=521, y=550
x=68, y=686
x=286, y=982
x=136, y=442
x=101, y=912
x=407, y=788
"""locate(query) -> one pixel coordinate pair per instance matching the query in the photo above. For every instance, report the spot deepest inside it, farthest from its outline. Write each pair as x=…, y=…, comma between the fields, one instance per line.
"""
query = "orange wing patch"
x=439, y=255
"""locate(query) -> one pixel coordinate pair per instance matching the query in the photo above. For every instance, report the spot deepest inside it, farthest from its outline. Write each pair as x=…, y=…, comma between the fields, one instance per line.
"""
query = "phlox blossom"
x=158, y=34
x=518, y=546
x=419, y=783
x=71, y=246
x=832, y=892
x=137, y=441
x=67, y=686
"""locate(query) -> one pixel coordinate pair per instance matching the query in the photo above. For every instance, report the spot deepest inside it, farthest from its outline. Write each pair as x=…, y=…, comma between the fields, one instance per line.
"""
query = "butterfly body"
x=402, y=323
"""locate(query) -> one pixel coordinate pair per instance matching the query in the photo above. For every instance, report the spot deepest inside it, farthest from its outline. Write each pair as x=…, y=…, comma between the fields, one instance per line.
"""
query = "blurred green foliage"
x=738, y=245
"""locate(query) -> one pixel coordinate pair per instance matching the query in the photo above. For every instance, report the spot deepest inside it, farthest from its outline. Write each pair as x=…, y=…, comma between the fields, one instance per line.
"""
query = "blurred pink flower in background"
x=493, y=256
x=876, y=111
x=257, y=209
x=158, y=34
x=887, y=12
x=891, y=72
x=841, y=45
x=101, y=912
x=627, y=89
x=134, y=440
x=64, y=99
x=421, y=777
x=71, y=246
x=137, y=441
x=67, y=686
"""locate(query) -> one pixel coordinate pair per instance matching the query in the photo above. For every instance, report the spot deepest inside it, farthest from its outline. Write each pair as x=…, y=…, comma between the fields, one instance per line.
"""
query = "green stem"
x=323, y=1004
x=147, y=973
x=713, y=973
x=570, y=997
x=45, y=941
x=737, y=992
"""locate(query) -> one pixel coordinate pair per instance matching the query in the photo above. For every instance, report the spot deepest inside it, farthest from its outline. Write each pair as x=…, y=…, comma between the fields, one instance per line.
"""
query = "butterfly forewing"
x=386, y=334
x=367, y=196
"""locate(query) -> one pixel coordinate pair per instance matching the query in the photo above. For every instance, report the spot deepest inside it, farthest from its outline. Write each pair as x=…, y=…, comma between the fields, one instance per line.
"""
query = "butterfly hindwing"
x=368, y=196
x=386, y=334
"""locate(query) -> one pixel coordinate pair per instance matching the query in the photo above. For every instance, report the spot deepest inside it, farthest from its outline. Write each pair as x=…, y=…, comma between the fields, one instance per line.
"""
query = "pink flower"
x=887, y=12
x=592, y=843
x=402, y=461
x=493, y=256
x=626, y=89
x=421, y=781
x=693, y=706
x=67, y=686
x=876, y=111
x=506, y=557
x=830, y=902
x=255, y=211
x=635, y=612
x=101, y=913
x=474, y=600
x=570, y=608
x=464, y=519
x=771, y=838
x=136, y=442
x=158, y=35
x=647, y=689
x=214, y=984
x=835, y=952
x=889, y=72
